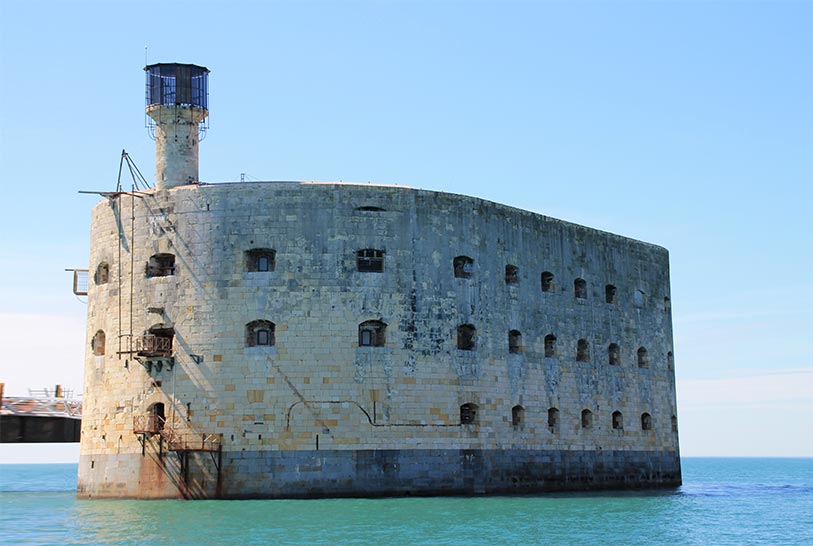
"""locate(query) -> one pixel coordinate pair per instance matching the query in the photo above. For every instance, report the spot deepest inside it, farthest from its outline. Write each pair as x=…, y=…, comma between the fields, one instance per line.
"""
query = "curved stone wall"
x=338, y=365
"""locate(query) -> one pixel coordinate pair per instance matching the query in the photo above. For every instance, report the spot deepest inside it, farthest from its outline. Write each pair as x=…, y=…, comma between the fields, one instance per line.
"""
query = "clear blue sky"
x=686, y=124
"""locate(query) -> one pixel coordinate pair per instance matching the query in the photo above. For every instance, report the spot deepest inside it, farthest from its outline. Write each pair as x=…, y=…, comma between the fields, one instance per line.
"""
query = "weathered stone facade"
x=270, y=362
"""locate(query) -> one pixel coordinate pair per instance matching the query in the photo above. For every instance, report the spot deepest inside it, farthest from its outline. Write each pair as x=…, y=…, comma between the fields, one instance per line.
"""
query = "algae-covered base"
x=375, y=473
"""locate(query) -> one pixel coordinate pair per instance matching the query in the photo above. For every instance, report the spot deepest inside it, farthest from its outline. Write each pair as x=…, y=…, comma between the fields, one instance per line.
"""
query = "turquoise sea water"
x=722, y=501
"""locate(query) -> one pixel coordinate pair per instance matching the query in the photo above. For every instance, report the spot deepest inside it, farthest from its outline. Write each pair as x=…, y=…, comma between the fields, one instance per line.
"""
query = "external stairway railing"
x=147, y=424
x=190, y=440
x=176, y=438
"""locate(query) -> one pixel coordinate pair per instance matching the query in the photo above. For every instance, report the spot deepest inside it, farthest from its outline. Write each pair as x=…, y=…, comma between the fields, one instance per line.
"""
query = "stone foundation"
x=373, y=473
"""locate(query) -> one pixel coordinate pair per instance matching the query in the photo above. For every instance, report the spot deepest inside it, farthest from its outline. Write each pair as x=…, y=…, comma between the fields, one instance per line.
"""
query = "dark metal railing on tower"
x=153, y=345
x=147, y=424
x=174, y=84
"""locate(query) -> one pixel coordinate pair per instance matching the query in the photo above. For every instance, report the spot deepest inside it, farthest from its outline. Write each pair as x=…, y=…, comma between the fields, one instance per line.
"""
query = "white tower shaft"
x=176, y=144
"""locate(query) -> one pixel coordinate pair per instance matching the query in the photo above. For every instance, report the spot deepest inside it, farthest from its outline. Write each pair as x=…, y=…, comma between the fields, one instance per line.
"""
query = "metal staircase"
x=181, y=440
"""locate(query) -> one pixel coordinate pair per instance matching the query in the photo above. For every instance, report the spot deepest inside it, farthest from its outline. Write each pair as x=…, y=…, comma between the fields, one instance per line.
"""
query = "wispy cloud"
x=748, y=389
x=756, y=413
x=728, y=315
x=42, y=351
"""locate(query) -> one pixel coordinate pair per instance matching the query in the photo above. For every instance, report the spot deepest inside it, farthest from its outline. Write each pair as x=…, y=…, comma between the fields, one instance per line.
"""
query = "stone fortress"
x=284, y=339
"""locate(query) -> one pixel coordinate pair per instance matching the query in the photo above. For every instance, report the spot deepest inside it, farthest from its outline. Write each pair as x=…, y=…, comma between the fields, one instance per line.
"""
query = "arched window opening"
x=261, y=260
x=670, y=361
x=609, y=293
x=614, y=354
x=587, y=418
x=466, y=337
x=582, y=351
x=102, y=275
x=553, y=418
x=370, y=260
x=372, y=333
x=674, y=424
x=468, y=414
x=667, y=304
x=550, y=345
x=260, y=333
x=161, y=265
x=547, y=281
x=156, y=416
x=638, y=298
x=514, y=342
x=463, y=267
x=618, y=420
x=511, y=274
x=97, y=344
x=646, y=421
x=580, y=289
x=517, y=415
x=643, y=360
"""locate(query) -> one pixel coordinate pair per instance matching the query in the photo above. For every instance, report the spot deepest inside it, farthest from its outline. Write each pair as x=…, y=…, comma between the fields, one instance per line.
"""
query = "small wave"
x=741, y=489
x=35, y=489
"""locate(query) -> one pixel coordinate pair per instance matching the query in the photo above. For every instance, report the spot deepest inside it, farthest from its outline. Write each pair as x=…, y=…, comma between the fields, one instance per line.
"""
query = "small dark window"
x=370, y=260
x=264, y=337
x=618, y=420
x=674, y=424
x=517, y=415
x=550, y=345
x=511, y=274
x=553, y=418
x=514, y=342
x=468, y=414
x=261, y=260
x=646, y=421
x=587, y=418
x=260, y=333
x=371, y=333
x=547, y=281
x=667, y=304
x=370, y=208
x=97, y=344
x=580, y=289
x=670, y=361
x=466, y=337
x=161, y=265
x=609, y=293
x=614, y=354
x=463, y=267
x=157, y=409
x=643, y=360
x=582, y=351
x=102, y=275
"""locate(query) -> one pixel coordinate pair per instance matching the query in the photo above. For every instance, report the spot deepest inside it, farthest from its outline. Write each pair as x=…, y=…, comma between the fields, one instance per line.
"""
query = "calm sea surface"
x=723, y=501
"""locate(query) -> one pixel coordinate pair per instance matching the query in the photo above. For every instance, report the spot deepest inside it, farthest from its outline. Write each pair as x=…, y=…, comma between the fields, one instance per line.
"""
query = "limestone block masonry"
x=279, y=340
x=176, y=144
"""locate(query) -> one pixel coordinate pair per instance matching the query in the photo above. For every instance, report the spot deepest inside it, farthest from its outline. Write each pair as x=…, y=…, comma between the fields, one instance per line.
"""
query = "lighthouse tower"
x=177, y=107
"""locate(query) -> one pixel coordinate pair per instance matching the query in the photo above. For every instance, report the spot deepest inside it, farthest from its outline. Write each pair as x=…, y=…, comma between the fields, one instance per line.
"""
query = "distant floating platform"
x=34, y=420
